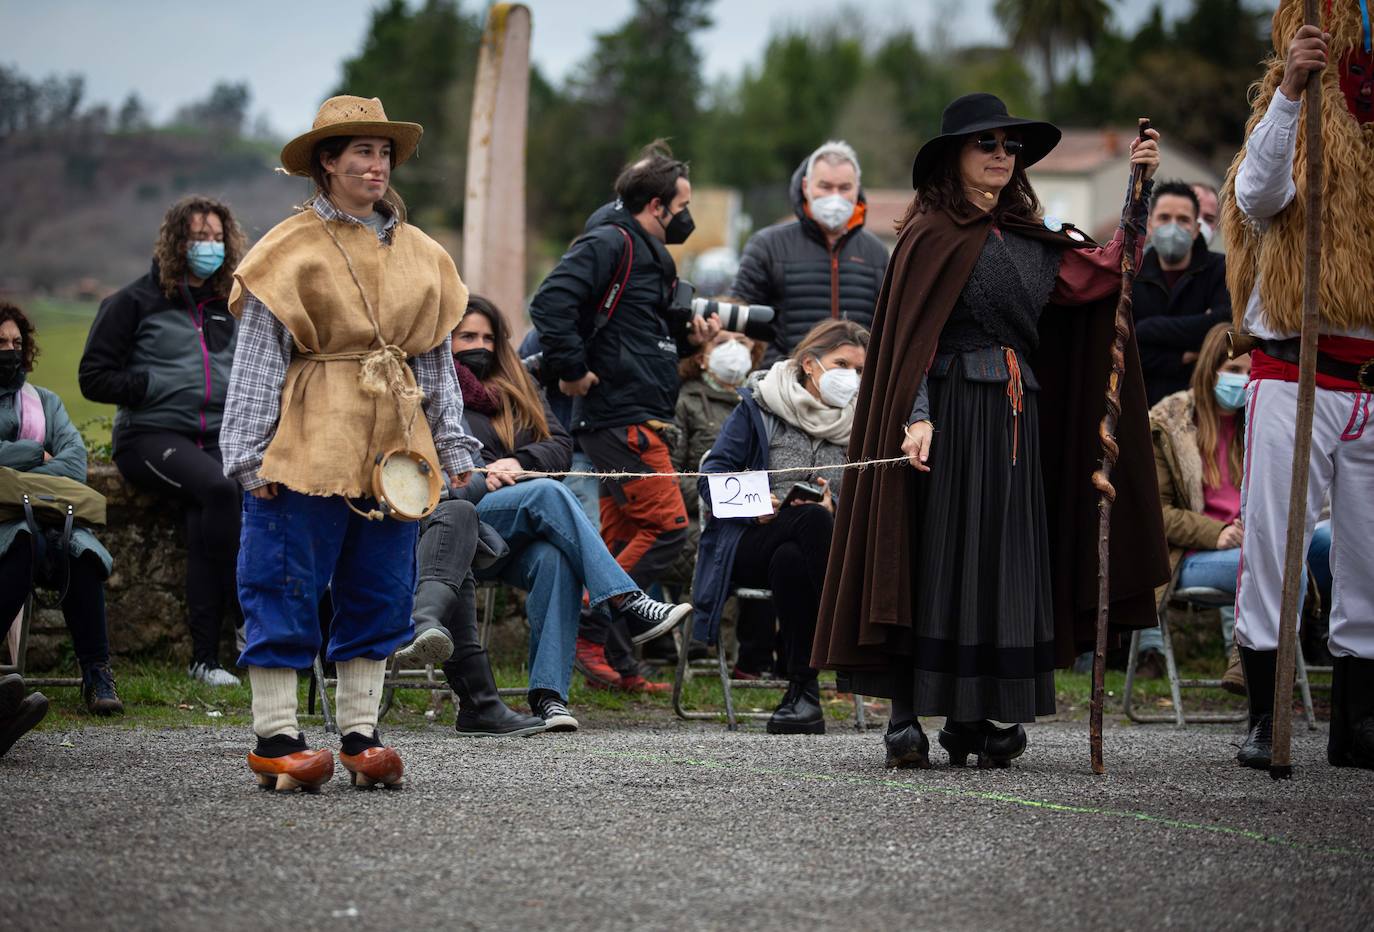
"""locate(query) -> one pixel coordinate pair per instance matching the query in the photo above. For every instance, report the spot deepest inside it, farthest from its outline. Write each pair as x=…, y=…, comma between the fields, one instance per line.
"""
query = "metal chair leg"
x=1172, y=668
x=730, y=721
x=1306, y=689
x=860, y=724
x=317, y=672
x=683, y=674
x=1128, y=693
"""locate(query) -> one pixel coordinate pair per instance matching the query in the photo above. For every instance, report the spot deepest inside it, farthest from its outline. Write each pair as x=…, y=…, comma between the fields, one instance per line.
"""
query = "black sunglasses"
x=988, y=144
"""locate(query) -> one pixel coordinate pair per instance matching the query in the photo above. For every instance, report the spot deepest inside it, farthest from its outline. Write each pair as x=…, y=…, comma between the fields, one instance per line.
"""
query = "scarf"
x=476, y=396
x=780, y=394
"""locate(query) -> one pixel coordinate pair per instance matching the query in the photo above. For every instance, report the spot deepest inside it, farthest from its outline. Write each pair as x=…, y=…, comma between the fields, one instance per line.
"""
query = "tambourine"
x=407, y=485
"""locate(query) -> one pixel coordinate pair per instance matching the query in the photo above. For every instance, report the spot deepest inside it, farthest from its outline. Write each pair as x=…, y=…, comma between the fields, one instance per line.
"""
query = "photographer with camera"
x=821, y=266
x=797, y=416
x=613, y=334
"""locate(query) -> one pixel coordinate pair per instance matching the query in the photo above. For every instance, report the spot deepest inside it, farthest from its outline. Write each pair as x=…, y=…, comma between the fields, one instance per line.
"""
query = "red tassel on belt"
x=1016, y=396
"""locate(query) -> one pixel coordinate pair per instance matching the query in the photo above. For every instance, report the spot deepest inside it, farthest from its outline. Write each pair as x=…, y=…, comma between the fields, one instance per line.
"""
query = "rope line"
x=790, y=470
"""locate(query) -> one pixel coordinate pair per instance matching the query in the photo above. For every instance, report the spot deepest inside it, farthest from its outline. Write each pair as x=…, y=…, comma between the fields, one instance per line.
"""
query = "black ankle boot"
x=907, y=746
x=481, y=713
x=1351, y=742
x=435, y=604
x=799, y=713
x=995, y=747
x=1260, y=666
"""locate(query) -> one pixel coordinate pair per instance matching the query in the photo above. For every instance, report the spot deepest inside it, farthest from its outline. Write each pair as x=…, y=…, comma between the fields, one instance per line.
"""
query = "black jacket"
x=551, y=455
x=164, y=361
x=635, y=355
x=1168, y=324
x=791, y=268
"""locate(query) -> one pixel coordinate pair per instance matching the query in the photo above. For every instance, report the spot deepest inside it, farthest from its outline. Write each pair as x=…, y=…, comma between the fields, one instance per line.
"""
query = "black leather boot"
x=907, y=746
x=995, y=747
x=1260, y=666
x=481, y=713
x=435, y=603
x=1351, y=742
x=799, y=713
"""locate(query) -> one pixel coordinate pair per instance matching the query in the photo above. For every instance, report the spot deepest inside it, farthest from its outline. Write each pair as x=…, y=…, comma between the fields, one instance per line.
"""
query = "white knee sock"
x=274, y=701
x=359, y=694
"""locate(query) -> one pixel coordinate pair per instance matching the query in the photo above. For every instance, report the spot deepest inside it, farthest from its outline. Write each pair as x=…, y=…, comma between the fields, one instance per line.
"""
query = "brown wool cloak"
x=865, y=619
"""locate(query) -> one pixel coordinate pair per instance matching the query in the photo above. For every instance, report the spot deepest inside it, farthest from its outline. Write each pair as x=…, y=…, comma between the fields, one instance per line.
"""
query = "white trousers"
x=1343, y=463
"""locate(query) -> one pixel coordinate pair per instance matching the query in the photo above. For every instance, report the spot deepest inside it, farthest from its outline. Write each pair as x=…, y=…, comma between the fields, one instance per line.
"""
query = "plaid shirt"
x=264, y=350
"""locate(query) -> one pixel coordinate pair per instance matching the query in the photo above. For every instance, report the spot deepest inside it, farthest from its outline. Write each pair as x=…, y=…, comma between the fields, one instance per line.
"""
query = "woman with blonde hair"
x=161, y=349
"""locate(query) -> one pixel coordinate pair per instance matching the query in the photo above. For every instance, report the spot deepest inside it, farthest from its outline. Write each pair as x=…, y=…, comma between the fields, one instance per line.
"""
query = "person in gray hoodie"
x=161, y=349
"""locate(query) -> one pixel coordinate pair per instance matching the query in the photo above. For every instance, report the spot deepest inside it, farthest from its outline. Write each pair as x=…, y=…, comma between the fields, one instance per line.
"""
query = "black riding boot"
x=481, y=713
x=1351, y=742
x=799, y=713
x=1260, y=666
x=434, y=603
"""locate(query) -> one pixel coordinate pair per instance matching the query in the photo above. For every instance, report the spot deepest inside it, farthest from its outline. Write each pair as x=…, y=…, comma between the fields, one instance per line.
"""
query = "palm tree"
x=1049, y=27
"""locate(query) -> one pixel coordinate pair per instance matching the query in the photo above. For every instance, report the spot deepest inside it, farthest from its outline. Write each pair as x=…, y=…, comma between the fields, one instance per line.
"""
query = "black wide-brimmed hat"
x=976, y=113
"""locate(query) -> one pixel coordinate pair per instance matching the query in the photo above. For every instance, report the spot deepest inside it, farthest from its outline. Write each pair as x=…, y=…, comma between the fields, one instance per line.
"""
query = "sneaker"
x=211, y=674
x=648, y=618
x=640, y=684
x=552, y=710
x=98, y=691
x=590, y=660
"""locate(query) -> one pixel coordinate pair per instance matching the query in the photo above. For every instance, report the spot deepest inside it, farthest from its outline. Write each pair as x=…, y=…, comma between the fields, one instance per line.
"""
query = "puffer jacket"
x=163, y=361
x=1178, y=468
x=791, y=267
x=62, y=441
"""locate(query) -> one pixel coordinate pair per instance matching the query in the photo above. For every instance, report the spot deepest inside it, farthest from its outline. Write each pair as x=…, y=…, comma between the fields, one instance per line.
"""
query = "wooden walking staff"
x=1107, y=434
x=1280, y=761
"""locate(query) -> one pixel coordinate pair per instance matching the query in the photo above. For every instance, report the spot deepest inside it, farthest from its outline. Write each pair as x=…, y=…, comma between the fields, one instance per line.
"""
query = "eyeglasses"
x=988, y=144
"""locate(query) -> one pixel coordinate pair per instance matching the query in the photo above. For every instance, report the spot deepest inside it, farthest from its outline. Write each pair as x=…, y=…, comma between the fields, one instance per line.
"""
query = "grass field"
x=62, y=327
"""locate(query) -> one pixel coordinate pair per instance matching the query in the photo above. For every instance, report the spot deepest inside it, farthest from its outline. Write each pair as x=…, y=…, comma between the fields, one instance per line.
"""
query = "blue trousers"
x=291, y=547
x=556, y=553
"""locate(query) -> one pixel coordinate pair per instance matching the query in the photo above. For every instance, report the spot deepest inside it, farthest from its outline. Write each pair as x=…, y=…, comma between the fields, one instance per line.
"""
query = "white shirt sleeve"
x=1264, y=181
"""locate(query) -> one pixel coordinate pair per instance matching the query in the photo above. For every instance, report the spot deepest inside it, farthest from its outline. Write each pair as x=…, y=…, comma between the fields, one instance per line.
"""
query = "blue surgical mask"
x=204, y=258
x=1230, y=390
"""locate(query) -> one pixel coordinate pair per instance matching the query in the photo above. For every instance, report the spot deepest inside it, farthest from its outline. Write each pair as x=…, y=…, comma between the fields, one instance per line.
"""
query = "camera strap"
x=611, y=299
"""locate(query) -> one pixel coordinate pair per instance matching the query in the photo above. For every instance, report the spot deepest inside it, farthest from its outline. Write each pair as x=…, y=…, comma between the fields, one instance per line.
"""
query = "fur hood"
x=1175, y=431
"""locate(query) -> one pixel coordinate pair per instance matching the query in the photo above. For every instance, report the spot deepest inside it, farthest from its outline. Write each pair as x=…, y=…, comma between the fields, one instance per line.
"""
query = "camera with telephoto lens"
x=752, y=320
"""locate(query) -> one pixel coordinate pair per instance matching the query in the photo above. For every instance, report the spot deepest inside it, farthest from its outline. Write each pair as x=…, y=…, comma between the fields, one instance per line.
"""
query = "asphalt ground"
x=684, y=826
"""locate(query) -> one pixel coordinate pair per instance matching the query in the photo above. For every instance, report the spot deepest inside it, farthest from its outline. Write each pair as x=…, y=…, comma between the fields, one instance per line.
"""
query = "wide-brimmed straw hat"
x=351, y=116
x=976, y=113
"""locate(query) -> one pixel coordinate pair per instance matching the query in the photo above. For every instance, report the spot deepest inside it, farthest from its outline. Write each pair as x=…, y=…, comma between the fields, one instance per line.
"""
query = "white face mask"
x=838, y=386
x=729, y=362
x=1209, y=232
x=832, y=211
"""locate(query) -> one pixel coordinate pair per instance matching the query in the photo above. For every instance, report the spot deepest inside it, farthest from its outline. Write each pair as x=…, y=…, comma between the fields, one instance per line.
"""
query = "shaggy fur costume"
x=1272, y=254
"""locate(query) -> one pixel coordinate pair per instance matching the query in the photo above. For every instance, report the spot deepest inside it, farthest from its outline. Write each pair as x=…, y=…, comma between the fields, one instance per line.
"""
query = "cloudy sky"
x=170, y=51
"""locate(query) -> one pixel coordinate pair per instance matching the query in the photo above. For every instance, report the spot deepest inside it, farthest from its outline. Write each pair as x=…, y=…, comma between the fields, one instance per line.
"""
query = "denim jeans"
x=1217, y=569
x=556, y=553
x=587, y=490
x=292, y=547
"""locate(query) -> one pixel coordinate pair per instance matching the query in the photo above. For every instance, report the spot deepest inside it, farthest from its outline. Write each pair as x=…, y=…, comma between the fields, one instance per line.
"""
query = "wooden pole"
x=1107, y=435
x=494, y=203
x=1280, y=761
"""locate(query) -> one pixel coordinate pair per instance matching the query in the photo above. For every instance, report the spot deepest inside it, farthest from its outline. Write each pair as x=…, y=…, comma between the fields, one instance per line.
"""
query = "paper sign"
x=740, y=495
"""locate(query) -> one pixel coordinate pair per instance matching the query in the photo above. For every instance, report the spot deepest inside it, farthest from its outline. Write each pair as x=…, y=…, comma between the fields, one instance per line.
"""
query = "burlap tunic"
x=330, y=430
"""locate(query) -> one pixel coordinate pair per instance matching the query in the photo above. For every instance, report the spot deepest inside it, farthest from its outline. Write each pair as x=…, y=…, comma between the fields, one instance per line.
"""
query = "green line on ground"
x=1248, y=834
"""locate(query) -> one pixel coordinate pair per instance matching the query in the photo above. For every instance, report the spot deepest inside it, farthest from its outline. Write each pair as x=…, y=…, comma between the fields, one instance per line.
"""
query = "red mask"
x=1357, y=81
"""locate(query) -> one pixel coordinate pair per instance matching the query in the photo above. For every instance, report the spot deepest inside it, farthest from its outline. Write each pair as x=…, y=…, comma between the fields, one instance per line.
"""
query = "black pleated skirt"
x=984, y=625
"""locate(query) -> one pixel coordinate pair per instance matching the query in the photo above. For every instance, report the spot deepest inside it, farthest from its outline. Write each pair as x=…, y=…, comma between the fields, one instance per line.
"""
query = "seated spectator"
x=555, y=552
x=161, y=349
x=710, y=391
x=1199, y=442
x=1179, y=294
x=798, y=414
x=37, y=436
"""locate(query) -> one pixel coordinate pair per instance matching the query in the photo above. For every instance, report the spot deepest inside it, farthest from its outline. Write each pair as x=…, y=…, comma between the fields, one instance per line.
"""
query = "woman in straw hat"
x=344, y=316
x=956, y=586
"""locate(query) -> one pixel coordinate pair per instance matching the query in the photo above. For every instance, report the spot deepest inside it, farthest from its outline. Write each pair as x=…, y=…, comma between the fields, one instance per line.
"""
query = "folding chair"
x=18, y=641
x=728, y=683
x=1192, y=600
